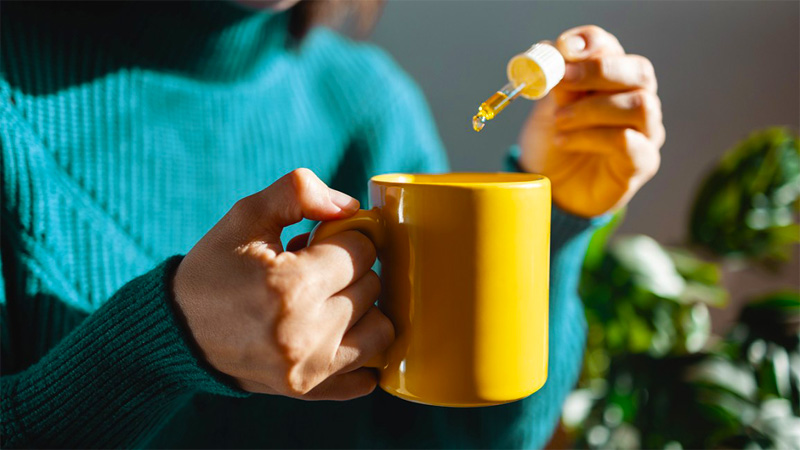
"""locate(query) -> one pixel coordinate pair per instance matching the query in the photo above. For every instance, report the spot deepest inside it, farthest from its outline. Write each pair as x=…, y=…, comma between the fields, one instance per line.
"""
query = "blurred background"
x=692, y=293
x=724, y=69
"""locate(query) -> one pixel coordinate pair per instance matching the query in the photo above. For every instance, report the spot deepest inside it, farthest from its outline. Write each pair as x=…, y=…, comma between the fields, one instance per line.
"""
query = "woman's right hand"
x=295, y=323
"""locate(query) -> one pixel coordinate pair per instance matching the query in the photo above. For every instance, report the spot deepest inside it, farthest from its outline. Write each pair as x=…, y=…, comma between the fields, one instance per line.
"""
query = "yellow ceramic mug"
x=464, y=266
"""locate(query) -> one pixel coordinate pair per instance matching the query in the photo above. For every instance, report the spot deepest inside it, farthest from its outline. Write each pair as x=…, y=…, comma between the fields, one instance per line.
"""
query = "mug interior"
x=465, y=179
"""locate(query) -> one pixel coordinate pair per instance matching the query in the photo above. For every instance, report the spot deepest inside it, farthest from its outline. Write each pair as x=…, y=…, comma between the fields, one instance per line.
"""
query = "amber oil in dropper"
x=531, y=74
x=494, y=104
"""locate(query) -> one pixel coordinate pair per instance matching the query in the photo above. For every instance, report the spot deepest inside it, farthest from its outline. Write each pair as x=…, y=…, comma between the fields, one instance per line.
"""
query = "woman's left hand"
x=598, y=134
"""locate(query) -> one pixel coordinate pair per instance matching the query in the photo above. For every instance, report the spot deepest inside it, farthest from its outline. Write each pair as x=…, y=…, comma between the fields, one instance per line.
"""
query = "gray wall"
x=724, y=69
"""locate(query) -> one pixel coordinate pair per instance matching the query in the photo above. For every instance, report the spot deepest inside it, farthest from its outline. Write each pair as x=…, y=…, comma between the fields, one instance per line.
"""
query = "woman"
x=128, y=130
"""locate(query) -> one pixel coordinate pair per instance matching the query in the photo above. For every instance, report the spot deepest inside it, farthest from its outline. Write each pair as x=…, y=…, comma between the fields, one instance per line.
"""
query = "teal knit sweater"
x=127, y=131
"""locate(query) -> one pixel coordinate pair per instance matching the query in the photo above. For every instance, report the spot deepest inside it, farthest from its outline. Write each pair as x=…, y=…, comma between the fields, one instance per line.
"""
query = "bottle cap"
x=540, y=67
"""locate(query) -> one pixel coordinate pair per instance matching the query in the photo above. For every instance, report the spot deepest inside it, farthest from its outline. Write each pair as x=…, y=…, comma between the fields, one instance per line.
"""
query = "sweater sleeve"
x=114, y=380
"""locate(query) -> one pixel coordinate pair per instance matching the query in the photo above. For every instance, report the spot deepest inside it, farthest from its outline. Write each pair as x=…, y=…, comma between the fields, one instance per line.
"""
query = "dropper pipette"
x=531, y=74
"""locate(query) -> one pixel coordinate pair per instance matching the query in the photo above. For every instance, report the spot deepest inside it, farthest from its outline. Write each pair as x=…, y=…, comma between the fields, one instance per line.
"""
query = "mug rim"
x=472, y=180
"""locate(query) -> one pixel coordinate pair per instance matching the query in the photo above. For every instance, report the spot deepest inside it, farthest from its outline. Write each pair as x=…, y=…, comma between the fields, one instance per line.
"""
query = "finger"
x=640, y=110
x=587, y=41
x=605, y=141
x=610, y=73
x=297, y=242
x=369, y=336
x=297, y=195
x=632, y=152
x=345, y=386
x=352, y=302
x=334, y=263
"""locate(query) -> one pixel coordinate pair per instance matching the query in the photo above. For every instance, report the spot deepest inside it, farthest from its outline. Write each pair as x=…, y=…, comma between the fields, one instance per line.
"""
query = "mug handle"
x=368, y=222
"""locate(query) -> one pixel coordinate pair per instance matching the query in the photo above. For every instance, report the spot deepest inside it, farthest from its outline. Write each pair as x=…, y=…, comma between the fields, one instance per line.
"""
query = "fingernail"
x=575, y=45
x=573, y=72
x=343, y=201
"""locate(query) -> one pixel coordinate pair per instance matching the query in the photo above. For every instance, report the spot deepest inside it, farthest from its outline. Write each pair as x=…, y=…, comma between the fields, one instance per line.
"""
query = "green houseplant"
x=654, y=376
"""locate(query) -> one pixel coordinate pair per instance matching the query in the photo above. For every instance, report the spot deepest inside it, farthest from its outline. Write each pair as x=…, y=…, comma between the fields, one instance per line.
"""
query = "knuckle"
x=647, y=73
x=648, y=165
x=291, y=291
x=636, y=102
x=653, y=105
x=297, y=383
x=623, y=138
x=250, y=253
x=661, y=135
x=293, y=302
x=309, y=189
x=592, y=29
x=287, y=268
x=287, y=260
x=302, y=182
x=258, y=254
x=600, y=67
x=646, y=104
x=293, y=348
x=640, y=102
x=301, y=176
x=281, y=283
x=656, y=164
x=256, y=259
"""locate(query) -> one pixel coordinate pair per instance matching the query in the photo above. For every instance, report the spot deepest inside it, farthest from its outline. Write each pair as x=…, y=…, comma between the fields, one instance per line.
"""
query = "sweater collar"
x=208, y=40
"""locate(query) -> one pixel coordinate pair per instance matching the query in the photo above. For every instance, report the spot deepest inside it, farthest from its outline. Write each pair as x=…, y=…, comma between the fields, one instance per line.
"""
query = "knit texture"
x=126, y=131
x=133, y=336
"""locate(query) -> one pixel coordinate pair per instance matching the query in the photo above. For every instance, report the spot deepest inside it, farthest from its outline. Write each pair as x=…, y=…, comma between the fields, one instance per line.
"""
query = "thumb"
x=298, y=195
x=579, y=43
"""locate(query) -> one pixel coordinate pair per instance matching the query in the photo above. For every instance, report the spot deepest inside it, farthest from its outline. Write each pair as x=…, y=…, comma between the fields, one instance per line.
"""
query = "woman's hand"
x=296, y=323
x=597, y=135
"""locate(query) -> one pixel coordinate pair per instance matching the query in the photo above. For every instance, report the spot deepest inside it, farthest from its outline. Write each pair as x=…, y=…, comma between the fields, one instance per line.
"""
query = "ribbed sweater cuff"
x=124, y=370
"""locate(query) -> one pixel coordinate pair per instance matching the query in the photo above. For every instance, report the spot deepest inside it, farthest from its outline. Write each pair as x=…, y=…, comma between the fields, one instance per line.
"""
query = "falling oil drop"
x=478, y=122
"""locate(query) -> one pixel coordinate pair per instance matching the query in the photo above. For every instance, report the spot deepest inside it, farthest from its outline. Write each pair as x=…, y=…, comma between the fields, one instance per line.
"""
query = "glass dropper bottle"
x=531, y=74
